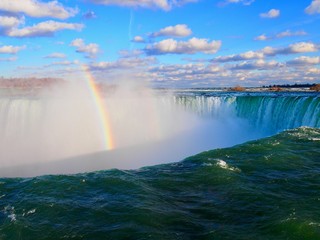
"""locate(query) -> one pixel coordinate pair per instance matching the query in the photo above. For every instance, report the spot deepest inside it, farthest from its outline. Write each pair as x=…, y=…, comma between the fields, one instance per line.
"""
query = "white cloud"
x=300, y=47
x=289, y=33
x=130, y=54
x=10, y=21
x=124, y=63
x=283, y=34
x=256, y=65
x=90, y=50
x=194, y=45
x=10, y=59
x=56, y=55
x=273, y=13
x=262, y=37
x=250, y=73
x=303, y=60
x=270, y=51
x=186, y=74
x=313, y=71
x=138, y=39
x=63, y=63
x=244, y=2
x=11, y=49
x=179, y=30
x=36, y=8
x=153, y=4
x=43, y=29
x=195, y=60
x=313, y=8
x=239, y=57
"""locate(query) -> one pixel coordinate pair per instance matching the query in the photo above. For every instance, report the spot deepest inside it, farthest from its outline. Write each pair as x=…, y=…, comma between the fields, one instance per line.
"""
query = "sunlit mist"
x=146, y=127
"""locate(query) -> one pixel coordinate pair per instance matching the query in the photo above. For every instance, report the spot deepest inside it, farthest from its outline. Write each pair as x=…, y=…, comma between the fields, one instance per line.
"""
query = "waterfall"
x=280, y=113
x=268, y=113
x=46, y=129
x=17, y=116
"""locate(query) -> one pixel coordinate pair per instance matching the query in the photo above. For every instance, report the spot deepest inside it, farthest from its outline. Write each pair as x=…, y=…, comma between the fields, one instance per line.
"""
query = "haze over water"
x=66, y=122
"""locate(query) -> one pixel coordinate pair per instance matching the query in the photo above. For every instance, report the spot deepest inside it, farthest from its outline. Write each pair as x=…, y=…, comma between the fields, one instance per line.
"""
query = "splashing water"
x=69, y=129
x=74, y=120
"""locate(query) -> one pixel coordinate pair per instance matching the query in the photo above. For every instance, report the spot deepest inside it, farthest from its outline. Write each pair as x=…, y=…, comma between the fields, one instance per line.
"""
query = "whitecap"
x=12, y=217
x=314, y=224
x=224, y=165
x=314, y=139
x=32, y=211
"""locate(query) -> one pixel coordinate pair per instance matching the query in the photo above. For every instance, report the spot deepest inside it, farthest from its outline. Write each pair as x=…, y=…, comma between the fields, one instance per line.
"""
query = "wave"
x=264, y=189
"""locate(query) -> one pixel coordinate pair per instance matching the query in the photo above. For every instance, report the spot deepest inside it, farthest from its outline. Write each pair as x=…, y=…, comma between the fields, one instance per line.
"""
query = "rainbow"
x=101, y=109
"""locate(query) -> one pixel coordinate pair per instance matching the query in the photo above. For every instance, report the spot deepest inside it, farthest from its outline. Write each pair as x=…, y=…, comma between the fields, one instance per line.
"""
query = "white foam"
x=224, y=165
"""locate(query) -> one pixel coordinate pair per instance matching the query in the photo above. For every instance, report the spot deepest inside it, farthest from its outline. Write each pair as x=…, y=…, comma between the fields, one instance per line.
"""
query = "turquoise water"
x=262, y=189
x=267, y=112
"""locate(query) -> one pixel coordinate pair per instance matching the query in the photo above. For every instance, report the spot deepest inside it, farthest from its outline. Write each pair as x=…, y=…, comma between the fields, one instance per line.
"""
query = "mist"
x=60, y=132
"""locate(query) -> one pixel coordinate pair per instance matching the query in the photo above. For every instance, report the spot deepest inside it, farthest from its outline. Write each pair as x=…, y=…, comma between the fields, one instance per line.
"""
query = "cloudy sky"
x=169, y=43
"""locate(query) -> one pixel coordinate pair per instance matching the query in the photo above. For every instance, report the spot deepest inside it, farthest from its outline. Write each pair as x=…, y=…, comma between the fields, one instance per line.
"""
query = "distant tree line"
x=28, y=83
x=296, y=85
x=311, y=86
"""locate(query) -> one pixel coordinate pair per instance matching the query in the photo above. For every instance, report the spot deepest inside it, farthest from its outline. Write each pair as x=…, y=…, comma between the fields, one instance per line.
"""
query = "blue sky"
x=169, y=43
